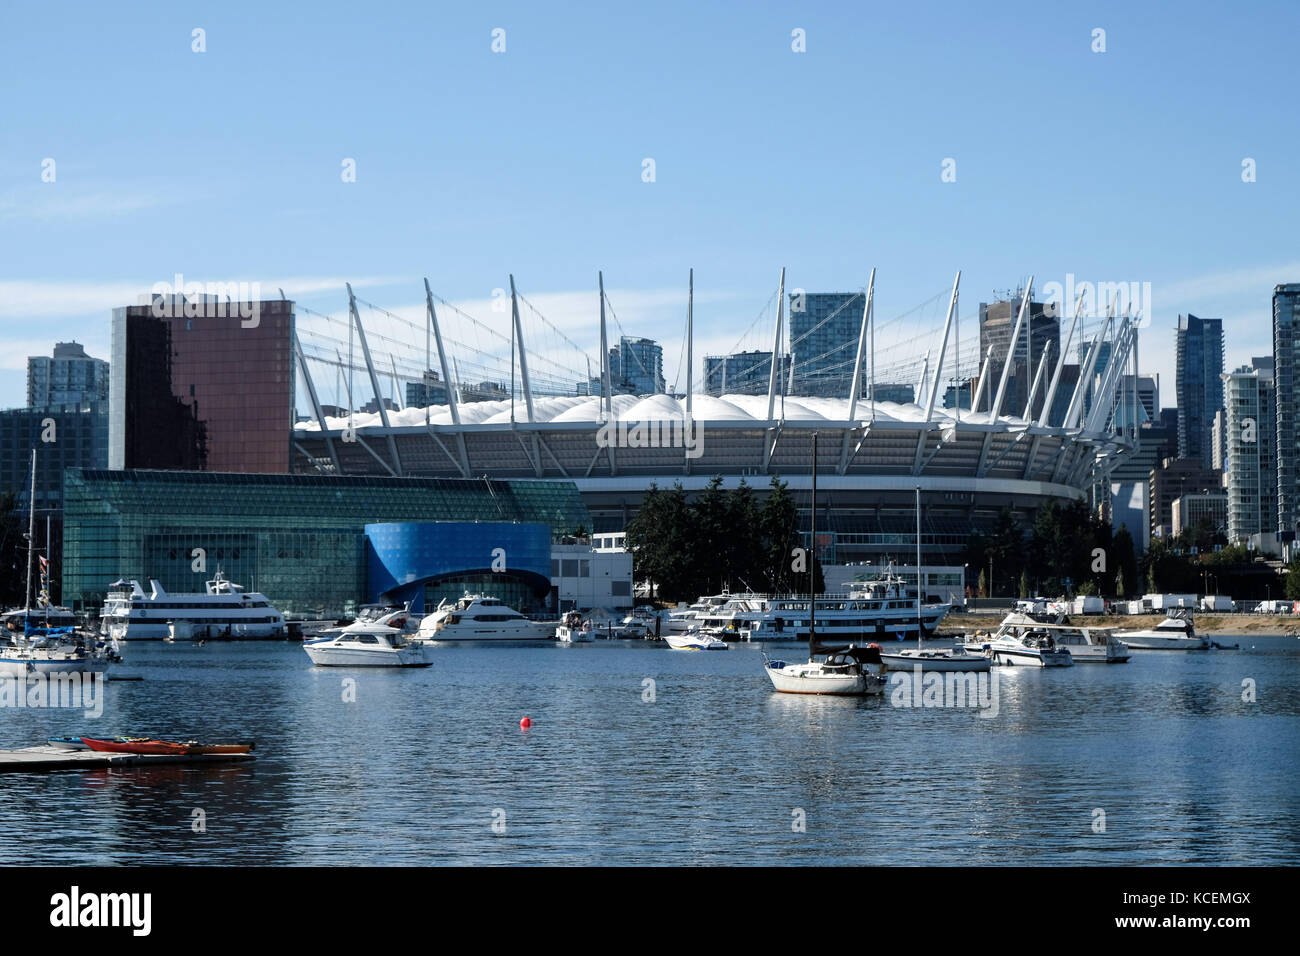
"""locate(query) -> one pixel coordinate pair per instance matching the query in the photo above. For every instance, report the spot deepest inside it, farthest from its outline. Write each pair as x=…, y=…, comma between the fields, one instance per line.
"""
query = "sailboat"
x=844, y=670
x=937, y=659
x=40, y=648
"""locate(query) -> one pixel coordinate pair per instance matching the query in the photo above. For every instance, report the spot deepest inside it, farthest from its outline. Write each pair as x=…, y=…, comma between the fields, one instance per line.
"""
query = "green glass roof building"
x=298, y=539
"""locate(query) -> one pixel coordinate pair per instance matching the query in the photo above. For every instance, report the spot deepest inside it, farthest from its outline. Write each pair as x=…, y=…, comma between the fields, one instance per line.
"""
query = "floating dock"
x=42, y=759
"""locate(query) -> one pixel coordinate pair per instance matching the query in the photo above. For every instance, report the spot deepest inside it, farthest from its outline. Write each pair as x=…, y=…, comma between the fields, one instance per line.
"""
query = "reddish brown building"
x=211, y=391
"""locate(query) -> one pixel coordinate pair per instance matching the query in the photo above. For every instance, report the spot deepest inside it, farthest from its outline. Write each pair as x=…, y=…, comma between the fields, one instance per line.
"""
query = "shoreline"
x=1208, y=623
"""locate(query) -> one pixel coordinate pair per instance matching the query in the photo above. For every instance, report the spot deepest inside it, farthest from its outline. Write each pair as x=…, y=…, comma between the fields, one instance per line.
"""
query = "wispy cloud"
x=25, y=299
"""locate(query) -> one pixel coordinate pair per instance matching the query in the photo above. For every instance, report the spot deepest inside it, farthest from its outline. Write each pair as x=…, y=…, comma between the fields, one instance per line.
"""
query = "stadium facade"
x=968, y=464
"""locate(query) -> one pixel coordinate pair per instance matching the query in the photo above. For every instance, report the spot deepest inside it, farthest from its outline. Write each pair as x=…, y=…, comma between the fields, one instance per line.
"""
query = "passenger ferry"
x=476, y=617
x=222, y=611
x=879, y=610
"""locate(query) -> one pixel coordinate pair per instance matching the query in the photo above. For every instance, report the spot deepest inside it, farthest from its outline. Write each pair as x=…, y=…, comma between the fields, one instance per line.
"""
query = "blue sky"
x=1117, y=166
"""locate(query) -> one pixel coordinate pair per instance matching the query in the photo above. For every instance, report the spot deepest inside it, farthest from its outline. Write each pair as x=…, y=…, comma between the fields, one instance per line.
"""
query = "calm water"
x=710, y=772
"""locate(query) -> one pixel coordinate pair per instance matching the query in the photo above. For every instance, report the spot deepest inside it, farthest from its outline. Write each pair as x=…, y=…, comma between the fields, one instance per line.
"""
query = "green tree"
x=744, y=547
x=1024, y=584
x=708, y=559
x=780, y=525
x=1292, y=586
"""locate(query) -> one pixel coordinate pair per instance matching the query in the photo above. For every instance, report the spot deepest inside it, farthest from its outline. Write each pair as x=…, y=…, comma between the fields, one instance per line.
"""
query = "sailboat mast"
x=918, y=566
x=31, y=539
x=812, y=563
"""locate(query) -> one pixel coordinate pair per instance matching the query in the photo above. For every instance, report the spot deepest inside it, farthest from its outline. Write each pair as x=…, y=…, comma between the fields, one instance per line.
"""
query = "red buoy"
x=526, y=723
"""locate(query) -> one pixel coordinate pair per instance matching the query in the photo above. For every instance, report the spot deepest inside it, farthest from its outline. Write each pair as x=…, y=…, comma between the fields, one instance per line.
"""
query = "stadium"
x=968, y=463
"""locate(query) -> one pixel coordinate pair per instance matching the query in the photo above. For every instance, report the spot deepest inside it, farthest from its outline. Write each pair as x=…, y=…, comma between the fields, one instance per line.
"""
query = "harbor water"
x=642, y=755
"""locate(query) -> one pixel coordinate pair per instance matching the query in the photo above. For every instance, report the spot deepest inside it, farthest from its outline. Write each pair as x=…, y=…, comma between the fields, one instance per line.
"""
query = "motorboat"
x=222, y=610
x=1171, y=634
x=844, y=671
x=367, y=645
x=694, y=640
x=1021, y=639
x=1091, y=645
x=574, y=630
x=477, y=617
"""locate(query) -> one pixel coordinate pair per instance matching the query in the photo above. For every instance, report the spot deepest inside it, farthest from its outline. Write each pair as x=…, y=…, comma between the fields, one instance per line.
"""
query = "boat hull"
x=937, y=661
x=809, y=679
x=685, y=643
x=1154, y=642
x=326, y=656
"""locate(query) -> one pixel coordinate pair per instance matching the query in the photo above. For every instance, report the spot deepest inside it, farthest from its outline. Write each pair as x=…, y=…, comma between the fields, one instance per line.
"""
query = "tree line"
x=721, y=540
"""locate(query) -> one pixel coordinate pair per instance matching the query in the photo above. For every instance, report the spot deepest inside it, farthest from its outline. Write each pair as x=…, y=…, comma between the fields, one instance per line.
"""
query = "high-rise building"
x=742, y=373
x=1191, y=509
x=1250, y=438
x=1199, y=384
x=195, y=386
x=997, y=323
x=824, y=332
x=430, y=390
x=1172, y=479
x=639, y=363
x=69, y=377
x=1286, y=376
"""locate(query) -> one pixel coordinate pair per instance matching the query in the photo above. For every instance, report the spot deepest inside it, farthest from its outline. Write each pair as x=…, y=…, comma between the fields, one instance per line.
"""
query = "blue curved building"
x=426, y=561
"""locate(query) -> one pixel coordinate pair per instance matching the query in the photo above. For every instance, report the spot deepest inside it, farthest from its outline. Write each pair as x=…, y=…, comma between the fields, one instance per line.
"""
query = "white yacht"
x=1171, y=634
x=1091, y=645
x=880, y=610
x=684, y=618
x=696, y=639
x=476, y=617
x=1021, y=640
x=221, y=611
x=366, y=644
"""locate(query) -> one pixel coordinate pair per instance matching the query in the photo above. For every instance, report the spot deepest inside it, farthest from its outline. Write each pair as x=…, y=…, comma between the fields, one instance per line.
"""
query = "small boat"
x=367, y=645
x=477, y=617
x=574, y=630
x=146, y=745
x=67, y=743
x=1171, y=634
x=1021, y=640
x=850, y=671
x=694, y=640
x=956, y=658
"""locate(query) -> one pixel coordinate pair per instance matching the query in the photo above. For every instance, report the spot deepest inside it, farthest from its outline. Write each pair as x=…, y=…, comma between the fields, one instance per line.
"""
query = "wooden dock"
x=46, y=758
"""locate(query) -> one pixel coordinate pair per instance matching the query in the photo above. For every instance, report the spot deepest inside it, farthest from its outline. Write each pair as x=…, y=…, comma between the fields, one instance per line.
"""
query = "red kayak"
x=144, y=745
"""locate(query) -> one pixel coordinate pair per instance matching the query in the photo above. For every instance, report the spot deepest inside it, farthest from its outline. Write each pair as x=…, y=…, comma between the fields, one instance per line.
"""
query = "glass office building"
x=1286, y=362
x=206, y=392
x=1199, y=383
x=299, y=539
x=824, y=332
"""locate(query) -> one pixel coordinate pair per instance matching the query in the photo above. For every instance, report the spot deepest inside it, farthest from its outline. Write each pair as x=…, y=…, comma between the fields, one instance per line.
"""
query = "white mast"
x=776, y=348
x=31, y=542
x=943, y=350
x=855, y=391
x=690, y=341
